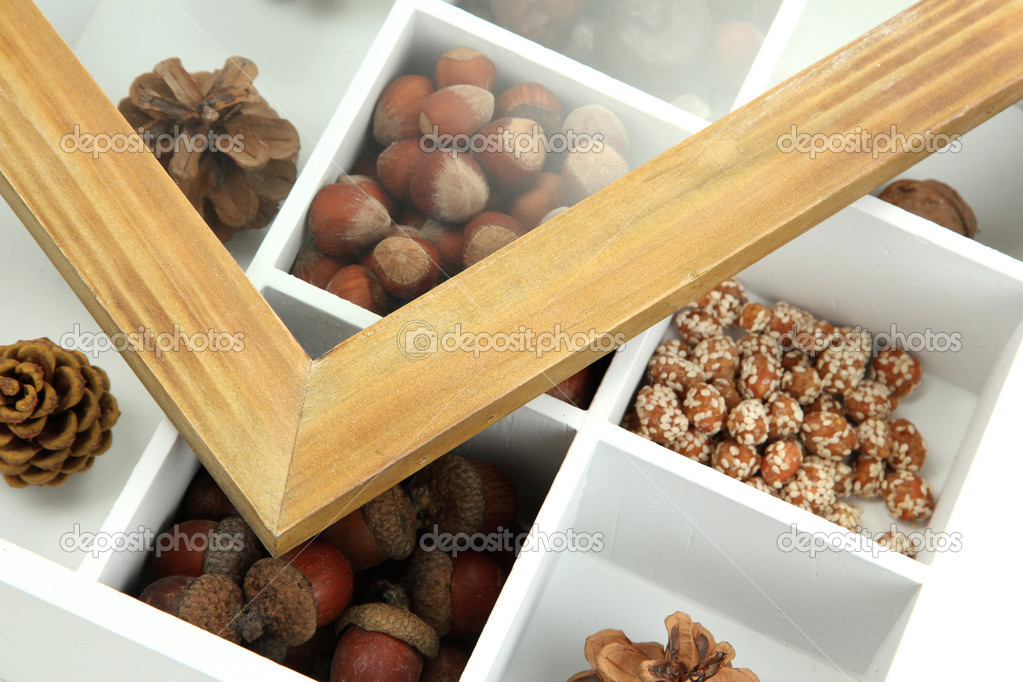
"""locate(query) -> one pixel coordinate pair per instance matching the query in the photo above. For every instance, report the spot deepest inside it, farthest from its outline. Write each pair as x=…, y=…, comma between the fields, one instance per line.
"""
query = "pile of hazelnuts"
x=791, y=405
x=453, y=175
x=366, y=600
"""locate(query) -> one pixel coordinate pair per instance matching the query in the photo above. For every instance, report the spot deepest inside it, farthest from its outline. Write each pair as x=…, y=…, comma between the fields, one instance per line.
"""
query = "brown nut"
x=399, y=107
x=588, y=172
x=371, y=187
x=314, y=266
x=486, y=234
x=456, y=111
x=599, y=123
x=514, y=153
x=448, y=242
x=394, y=167
x=406, y=266
x=466, y=66
x=532, y=101
x=358, y=285
x=934, y=201
x=344, y=220
x=449, y=186
x=533, y=206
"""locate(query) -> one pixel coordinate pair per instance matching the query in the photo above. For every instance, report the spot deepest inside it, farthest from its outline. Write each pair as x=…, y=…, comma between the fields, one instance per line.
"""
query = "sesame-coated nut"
x=675, y=373
x=898, y=370
x=661, y=413
x=747, y=423
x=759, y=376
x=809, y=336
x=758, y=344
x=868, y=399
x=728, y=391
x=694, y=445
x=736, y=460
x=825, y=402
x=909, y=497
x=717, y=357
x=845, y=515
x=802, y=383
x=705, y=409
x=827, y=435
x=784, y=416
x=909, y=449
x=754, y=317
x=868, y=476
x=841, y=369
x=674, y=348
x=897, y=541
x=695, y=325
x=781, y=461
x=795, y=358
x=813, y=487
x=758, y=483
x=875, y=438
x=724, y=301
x=785, y=317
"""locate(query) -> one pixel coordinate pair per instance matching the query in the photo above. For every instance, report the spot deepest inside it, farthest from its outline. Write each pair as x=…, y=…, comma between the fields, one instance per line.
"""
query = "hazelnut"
x=449, y=186
x=488, y=233
x=600, y=123
x=514, y=154
x=406, y=266
x=448, y=242
x=399, y=107
x=534, y=206
x=555, y=213
x=361, y=287
x=371, y=187
x=457, y=110
x=532, y=101
x=345, y=220
x=315, y=267
x=588, y=172
x=466, y=66
x=394, y=167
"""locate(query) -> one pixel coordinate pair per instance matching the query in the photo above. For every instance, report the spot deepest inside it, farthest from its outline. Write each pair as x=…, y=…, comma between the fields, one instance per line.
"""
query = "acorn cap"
x=429, y=586
x=395, y=622
x=502, y=499
x=213, y=603
x=449, y=494
x=281, y=603
x=233, y=547
x=391, y=519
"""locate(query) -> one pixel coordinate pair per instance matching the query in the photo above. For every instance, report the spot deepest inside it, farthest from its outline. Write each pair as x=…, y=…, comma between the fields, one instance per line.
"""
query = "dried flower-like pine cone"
x=228, y=151
x=934, y=201
x=56, y=413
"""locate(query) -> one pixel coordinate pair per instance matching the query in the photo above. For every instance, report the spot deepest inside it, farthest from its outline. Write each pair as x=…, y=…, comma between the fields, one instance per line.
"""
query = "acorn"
x=384, y=528
x=577, y=389
x=381, y=643
x=446, y=666
x=291, y=596
x=193, y=548
x=459, y=495
x=211, y=602
x=205, y=500
x=455, y=595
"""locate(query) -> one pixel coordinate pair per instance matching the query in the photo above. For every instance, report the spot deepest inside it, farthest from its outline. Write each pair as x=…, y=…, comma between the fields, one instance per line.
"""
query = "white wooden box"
x=676, y=535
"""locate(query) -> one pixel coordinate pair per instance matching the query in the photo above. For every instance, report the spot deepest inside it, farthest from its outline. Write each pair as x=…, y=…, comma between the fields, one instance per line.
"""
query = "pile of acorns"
x=797, y=408
x=366, y=600
x=454, y=175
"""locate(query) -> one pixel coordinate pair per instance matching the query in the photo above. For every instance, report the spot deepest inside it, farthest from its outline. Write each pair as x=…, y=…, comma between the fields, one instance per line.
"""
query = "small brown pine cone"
x=56, y=413
x=228, y=151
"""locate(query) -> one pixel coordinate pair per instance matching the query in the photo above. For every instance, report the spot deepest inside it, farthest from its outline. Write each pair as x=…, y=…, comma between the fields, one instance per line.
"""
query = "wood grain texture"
x=298, y=444
x=137, y=254
x=642, y=248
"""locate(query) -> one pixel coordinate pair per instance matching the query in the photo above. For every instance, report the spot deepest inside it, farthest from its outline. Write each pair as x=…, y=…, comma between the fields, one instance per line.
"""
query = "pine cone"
x=56, y=413
x=228, y=151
